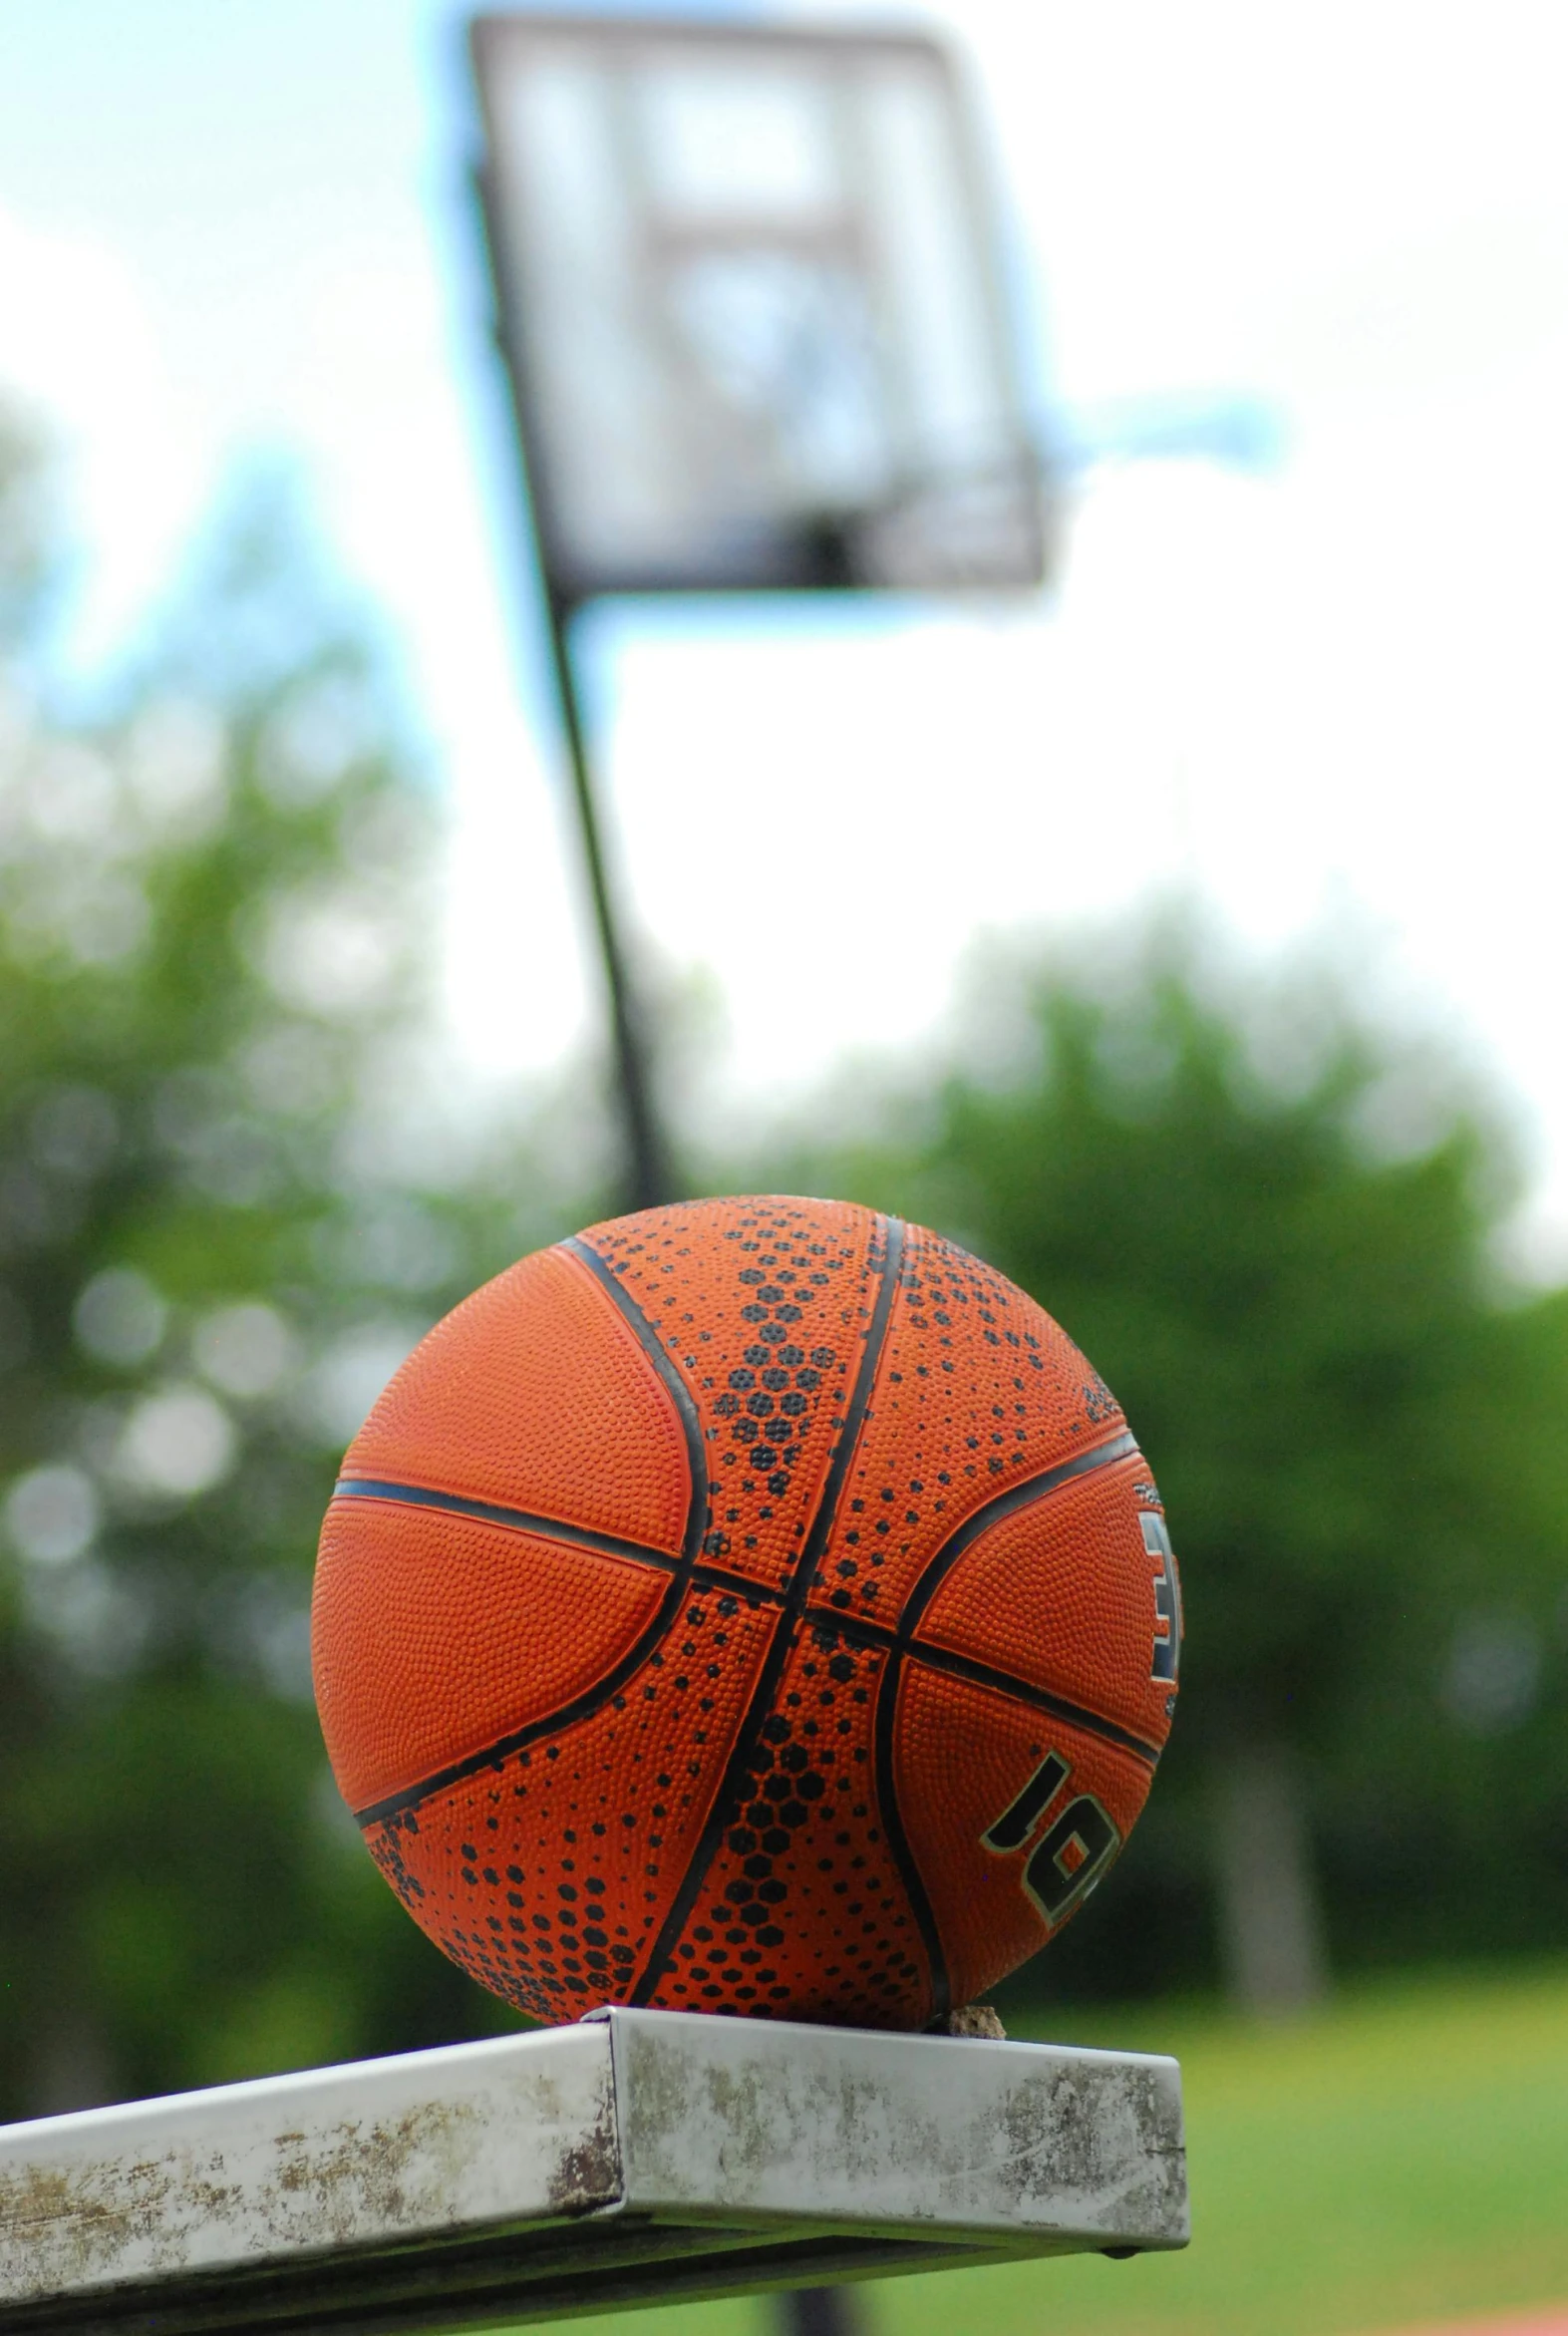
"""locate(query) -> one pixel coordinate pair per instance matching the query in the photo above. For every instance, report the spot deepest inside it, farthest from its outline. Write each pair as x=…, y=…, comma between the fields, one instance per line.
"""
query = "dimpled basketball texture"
x=753, y=1605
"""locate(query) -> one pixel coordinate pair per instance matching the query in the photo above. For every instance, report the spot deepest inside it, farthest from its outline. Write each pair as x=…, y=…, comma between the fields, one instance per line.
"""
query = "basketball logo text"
x=1167, y=1597
x=1070, y=1856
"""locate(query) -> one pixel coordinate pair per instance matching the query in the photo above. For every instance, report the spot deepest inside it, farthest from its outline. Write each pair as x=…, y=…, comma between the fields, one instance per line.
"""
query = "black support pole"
x=647, y=1171
x=817, y=2311
x=646, y=1178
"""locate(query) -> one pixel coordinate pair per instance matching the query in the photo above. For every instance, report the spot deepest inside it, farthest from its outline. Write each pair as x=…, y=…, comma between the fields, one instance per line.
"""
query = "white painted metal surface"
x=898, y=2133
x=638, y=2155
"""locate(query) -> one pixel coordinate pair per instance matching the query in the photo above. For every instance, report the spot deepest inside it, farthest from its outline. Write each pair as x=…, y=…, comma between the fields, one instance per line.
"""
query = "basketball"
x=754, y=1606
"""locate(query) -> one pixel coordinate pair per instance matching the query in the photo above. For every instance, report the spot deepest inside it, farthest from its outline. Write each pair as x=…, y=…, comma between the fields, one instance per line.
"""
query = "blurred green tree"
x=230, y=1197
x=230, y=1202
x=1275, y=1229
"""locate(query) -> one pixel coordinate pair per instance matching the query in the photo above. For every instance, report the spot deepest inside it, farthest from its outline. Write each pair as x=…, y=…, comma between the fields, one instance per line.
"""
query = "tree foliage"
x=220, y=1230
x=1273, y=1226
x=227, y=1208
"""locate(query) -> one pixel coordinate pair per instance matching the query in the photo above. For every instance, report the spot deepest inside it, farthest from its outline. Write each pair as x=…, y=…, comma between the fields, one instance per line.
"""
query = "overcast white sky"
x=1333, y=691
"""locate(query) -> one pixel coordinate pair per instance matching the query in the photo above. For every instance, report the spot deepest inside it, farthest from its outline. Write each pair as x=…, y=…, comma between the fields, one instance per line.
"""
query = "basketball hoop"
x=749, y=304
x=748, y=298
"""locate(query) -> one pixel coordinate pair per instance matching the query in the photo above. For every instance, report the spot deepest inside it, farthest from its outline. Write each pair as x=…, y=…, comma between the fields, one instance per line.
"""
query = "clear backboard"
x=637, y=2157
x=749, y=300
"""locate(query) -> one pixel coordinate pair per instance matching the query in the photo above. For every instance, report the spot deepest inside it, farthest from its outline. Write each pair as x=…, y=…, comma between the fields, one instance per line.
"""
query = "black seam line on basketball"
x=903, y=1856
x=593, y=1698
x=1021, y=1496
x=553, y=1528
x=674, y=1382
x=961, y=1666
x=901, y=1650
x=957, y=1666
x=702, y=1575
x=934, y=1659
x=499, y=1750
x=719, y=1577
x=761, y=1704
x=684, y=1579
x=688, y=1576
x=916, y=1894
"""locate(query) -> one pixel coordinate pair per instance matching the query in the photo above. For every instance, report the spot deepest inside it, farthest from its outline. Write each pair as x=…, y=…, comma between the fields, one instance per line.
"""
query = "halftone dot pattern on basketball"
x=977, y=1390
x=804, y=1876
x=768, y=1350
x=548, y=1872
x=703, y=1589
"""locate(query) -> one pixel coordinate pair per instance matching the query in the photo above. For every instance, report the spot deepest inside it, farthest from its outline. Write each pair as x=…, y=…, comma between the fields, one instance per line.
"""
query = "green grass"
x=1402, y=2158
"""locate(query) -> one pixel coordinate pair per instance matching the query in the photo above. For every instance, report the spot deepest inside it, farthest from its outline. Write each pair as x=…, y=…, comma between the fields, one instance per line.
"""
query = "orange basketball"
x=751, y=1606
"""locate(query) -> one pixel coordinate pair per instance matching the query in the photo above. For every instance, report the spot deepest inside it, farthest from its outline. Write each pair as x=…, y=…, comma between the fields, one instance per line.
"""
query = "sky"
x=1320, y=694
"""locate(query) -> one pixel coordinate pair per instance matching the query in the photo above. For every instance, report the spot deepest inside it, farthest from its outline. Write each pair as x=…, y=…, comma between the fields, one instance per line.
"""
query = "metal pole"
x=817, y=2311
x=647, y=1171
x=646, y=1165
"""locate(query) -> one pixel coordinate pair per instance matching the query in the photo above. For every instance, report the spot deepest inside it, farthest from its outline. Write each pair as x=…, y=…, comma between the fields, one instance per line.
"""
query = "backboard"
x=748, y=300
x=636, y=2156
